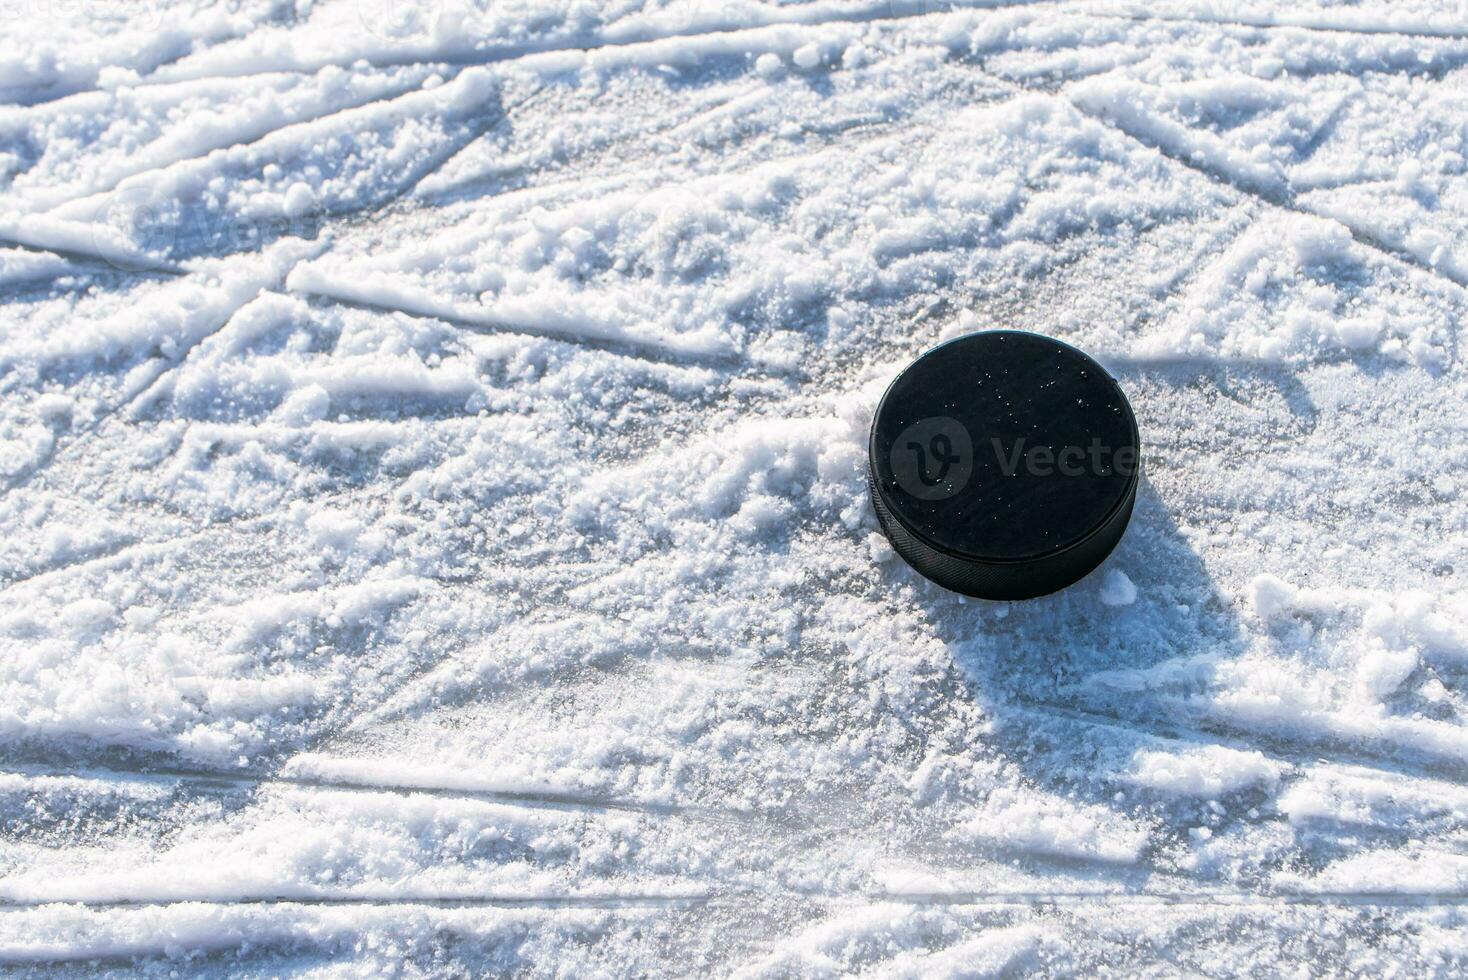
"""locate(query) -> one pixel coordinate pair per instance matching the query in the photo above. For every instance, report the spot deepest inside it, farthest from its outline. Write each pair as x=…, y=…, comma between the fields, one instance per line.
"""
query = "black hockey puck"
x=1004, y=464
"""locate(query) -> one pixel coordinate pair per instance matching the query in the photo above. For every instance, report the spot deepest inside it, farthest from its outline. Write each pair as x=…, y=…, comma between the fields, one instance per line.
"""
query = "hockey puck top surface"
x=1004, y=446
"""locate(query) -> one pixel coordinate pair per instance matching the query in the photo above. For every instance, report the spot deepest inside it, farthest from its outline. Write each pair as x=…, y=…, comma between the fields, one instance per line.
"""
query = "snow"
x=435, y=525
x=1210, y=771
x=1117, y=589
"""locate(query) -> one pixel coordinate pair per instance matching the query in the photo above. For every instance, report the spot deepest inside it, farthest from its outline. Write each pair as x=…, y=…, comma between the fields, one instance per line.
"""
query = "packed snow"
x=435, y=528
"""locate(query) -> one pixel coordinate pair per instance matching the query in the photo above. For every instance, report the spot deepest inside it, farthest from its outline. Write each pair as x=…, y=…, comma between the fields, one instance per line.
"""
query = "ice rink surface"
x=434, y=536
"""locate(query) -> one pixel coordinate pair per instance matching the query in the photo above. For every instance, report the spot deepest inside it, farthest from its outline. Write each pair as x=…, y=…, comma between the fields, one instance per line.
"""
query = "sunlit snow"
x=434, y=530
